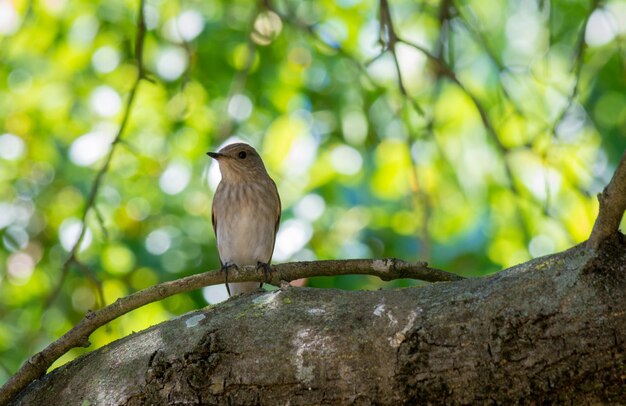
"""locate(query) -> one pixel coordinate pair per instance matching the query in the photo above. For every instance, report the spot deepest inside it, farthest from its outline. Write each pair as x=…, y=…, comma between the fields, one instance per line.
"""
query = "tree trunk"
x=551, y=330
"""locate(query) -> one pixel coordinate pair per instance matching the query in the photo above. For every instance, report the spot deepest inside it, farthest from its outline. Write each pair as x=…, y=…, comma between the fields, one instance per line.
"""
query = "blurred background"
x=468, y=133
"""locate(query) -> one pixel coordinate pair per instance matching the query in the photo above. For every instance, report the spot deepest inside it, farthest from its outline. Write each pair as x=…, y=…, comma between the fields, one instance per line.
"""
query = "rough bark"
x=612, y=206
x=551, y=330
x=78, y=336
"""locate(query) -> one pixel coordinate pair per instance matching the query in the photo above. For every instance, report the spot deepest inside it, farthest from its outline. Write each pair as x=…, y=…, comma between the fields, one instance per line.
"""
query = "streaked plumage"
x=246, y=210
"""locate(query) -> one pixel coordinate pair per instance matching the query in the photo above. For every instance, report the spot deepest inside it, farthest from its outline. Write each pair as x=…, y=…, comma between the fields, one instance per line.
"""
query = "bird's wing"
x=277, y=224
x=278, y=209
x=214, y=222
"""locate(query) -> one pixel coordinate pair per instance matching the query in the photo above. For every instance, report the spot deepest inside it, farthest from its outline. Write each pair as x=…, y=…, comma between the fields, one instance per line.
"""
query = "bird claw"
x=224, y=269
x=267, y=270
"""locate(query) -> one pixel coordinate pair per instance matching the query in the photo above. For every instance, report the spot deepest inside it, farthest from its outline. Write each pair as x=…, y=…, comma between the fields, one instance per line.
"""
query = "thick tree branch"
x=545, y=332
x=78, y=336
x=612, y=206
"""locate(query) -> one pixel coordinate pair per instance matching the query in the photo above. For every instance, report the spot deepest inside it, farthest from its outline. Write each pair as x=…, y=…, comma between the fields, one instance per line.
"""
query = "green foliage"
x=363, y=170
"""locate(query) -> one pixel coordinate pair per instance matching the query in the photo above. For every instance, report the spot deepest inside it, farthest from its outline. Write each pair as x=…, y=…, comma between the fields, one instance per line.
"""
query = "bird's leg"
x=225, y=268
x=267, y=270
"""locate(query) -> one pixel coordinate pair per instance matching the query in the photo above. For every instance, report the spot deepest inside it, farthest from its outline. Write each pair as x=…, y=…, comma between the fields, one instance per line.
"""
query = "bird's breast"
x=246, y=219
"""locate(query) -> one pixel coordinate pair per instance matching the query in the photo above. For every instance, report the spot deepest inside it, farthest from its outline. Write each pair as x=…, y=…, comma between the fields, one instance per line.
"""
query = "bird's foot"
x=267, y=270
x=224, y=269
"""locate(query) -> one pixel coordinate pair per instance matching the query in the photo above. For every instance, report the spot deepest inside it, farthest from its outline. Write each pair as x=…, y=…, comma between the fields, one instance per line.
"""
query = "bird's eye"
x=242, y=154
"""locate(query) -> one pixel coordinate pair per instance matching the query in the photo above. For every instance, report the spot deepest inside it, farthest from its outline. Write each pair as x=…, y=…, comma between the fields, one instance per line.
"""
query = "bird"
x=245, y=212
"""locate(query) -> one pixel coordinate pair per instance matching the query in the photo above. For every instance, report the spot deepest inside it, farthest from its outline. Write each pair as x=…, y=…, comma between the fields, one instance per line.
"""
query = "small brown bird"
x=245, y=213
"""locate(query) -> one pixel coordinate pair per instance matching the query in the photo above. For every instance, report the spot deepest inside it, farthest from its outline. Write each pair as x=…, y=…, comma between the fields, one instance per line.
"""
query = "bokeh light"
x=105, y=59
x=491, y=156
x=12, y=147
x=89, y=148
x=171, y=63
x=175, y=178
x=105, y=101
x=70, y=231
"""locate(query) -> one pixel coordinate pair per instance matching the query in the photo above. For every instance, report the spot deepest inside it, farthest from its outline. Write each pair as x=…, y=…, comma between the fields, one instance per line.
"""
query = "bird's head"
x=239, y=163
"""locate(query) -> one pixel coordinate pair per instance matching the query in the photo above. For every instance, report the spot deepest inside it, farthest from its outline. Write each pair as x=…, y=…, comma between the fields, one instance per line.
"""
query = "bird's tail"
x=243, y=287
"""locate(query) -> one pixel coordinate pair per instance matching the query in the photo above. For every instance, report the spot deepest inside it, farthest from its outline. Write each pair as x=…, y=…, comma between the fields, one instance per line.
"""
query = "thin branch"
x=238, y=84
x=100, y=219
x=577, y=69
x=139, y=43
x=386, y=24
x=421, y=200
x=475, y=29
x=612, y=206
x=91, y=200
x=386, y=269
x=581, y=46
x=449, y=73
x=361, y=67
x=443, y=68
x=389, y=39
x=91, y=275
x=310, y=30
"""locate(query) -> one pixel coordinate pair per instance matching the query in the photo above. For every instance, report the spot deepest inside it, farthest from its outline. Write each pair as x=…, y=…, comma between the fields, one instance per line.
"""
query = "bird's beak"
x=215, y=155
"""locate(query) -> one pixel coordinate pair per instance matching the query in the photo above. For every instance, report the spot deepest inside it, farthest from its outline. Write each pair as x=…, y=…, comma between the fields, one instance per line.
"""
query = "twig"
x=389, y=39
x=581, y=46
x=386, y=269
x=238, y=84
x=421, y=200
x=474, y=28
x=444, y=69
x=94, y=279
x=91, y=200
x=612, y=206
x=100, y=218
x=310, y=30
x=449, y=73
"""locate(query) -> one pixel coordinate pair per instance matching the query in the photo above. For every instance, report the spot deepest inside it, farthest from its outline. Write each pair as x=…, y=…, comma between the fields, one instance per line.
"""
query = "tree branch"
x=238, y=83
x=612, y=206
x=310, y=30
x=389, y=39
x=443, y=68
x=543, y=330
x=581, y=46
x=95, y=187
x=386, y=269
